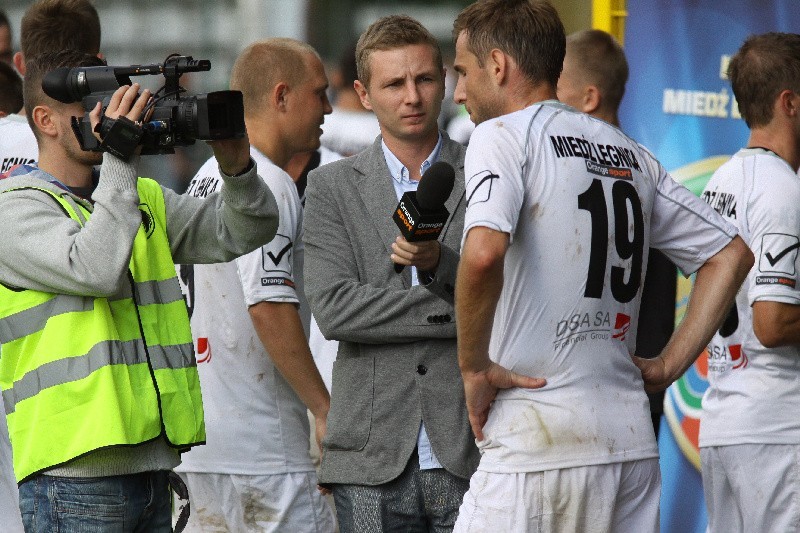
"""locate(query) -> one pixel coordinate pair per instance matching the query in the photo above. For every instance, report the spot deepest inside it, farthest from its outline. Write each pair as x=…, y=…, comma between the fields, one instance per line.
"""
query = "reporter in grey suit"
x=398, y=450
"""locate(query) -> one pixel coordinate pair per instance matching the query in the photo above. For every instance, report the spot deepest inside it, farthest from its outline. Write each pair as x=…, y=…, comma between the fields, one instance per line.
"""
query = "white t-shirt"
x=754, y=392
x=17, y=143
x=349, y=132
x=17, y=146
x=562, y=184
x=255, y=423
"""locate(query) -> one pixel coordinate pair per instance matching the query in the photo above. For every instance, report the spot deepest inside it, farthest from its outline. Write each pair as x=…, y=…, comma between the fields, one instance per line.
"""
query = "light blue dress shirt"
x=403, y=183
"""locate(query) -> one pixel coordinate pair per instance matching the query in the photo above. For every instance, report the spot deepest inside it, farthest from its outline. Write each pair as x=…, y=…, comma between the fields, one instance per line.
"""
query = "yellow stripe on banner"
x=609, y=16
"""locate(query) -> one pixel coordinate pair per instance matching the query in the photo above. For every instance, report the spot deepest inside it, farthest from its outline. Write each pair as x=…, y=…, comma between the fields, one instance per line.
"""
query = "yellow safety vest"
x=79, y=373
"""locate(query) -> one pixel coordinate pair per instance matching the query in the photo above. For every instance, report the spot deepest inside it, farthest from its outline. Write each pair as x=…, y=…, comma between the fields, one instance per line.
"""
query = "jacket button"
x=422, y=370
x=431, y=319
x=447, y=318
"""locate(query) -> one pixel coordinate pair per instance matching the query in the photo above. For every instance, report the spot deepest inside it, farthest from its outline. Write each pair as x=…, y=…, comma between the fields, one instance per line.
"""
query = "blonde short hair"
x=264, y=64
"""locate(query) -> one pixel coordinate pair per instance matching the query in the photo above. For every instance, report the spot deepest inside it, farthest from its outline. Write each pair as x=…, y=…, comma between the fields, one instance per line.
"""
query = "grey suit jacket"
x=397, y=363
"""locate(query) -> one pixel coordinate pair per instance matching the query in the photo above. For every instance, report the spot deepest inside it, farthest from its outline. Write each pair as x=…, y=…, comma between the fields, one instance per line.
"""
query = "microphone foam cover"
x=435, y=186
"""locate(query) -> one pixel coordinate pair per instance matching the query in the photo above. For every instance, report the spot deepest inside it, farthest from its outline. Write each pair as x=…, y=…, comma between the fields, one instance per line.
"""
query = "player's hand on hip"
x=480, y=390
x=654, y=373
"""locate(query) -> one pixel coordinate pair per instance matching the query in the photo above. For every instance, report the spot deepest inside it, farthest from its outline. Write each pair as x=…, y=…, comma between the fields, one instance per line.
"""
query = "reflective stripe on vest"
x=63, y=371
x=34, y=319
x=80, y=373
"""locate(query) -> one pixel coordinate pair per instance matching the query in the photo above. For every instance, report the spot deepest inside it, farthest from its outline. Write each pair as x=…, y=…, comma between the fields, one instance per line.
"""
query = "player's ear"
x=279, y=96
x=788, y=103
x=19, y=63
x=591, y=99
x=499, y=63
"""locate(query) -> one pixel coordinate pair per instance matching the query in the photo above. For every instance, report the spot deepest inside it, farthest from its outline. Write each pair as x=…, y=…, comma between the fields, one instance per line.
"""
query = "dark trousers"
x=416, y=501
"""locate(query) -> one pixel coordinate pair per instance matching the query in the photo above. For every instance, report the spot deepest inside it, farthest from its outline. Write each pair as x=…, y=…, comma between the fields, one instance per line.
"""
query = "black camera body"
x=174, y=119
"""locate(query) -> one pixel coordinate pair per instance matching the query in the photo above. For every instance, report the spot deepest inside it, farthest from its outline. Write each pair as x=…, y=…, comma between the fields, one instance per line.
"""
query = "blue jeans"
x=130, y=503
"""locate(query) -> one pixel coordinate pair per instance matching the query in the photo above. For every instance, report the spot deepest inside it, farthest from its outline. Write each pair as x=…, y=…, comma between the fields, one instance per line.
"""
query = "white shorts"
x=619, y=497
x=752, y=487
x=279, y=503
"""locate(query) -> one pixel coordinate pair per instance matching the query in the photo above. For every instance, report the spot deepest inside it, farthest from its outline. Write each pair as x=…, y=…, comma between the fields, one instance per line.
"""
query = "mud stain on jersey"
x=610, y=444
x=545, y=432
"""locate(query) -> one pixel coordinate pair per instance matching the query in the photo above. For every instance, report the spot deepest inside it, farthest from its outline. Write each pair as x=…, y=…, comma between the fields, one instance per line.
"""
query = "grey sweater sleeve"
x=227, y=224
x=42, y=248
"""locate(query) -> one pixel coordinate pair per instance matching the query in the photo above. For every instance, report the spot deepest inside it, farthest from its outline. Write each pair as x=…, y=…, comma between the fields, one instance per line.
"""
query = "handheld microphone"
x=421, y=215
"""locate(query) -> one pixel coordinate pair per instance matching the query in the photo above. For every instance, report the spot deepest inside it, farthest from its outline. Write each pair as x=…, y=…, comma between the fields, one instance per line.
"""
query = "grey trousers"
x=416, y=501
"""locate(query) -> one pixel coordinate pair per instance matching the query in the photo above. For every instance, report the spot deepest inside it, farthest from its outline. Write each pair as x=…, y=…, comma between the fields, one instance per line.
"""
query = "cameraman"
x=98, y=376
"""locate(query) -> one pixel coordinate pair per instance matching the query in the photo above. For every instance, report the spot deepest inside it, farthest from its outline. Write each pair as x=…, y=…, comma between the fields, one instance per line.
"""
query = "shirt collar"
x=399, y=172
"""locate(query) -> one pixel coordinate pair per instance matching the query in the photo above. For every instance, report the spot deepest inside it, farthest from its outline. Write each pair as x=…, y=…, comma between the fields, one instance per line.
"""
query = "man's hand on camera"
x=123, y=103
x=233, y=155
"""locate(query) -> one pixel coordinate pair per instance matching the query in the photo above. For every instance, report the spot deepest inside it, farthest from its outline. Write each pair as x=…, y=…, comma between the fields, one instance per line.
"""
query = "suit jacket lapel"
x=377, y=192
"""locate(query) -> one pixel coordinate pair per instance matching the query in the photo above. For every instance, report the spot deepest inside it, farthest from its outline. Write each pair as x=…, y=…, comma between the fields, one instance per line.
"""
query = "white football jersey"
x=17, y=143
x=754, y=391
x=255, y=423
x=582, y=203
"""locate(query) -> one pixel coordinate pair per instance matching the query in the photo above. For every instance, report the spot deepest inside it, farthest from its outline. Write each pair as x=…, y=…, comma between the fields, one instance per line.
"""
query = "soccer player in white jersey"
x=17, y=143
x=249, y=319
x=750, y=428
x=561, y=208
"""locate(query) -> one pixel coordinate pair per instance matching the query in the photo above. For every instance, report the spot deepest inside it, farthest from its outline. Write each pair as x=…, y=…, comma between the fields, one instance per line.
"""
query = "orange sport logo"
x=404, y=220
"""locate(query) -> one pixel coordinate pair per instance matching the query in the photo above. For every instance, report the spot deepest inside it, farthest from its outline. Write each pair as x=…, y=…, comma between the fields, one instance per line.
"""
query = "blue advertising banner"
x=680, y=105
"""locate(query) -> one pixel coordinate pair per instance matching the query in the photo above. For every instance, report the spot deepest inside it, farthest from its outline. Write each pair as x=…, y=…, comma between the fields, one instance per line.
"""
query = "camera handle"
x=119, y=137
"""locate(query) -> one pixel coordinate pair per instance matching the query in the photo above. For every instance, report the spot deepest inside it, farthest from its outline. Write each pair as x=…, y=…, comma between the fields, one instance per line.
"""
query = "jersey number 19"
x=623, y=194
